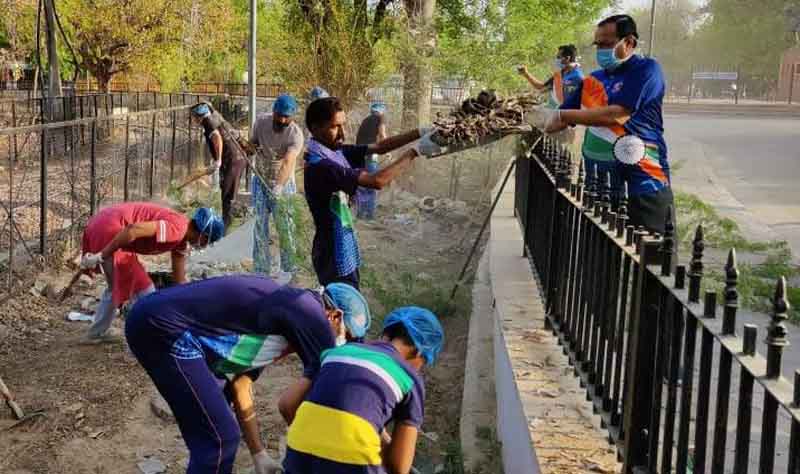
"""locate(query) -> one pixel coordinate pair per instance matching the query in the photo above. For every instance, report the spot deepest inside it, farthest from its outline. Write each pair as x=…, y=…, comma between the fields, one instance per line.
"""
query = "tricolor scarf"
x=345, y=244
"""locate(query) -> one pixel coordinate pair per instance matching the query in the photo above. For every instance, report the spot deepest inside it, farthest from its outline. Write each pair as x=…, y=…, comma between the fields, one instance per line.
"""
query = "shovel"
x=68, y=289
x=481, y=141
x=18, y=413
x=201, y=173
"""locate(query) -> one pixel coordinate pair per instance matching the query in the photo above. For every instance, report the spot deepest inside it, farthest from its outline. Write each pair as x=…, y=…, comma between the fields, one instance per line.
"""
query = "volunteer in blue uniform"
x=622, y=98
x=191, y=338
x=341, y=426
x=566, y=78
x=333, y=173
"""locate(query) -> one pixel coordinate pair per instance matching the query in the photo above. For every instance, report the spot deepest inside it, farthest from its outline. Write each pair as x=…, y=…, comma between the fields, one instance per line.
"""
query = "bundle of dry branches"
x=484, y=118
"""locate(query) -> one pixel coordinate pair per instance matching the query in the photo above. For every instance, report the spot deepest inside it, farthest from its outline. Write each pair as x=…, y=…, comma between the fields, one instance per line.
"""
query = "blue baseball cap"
x=422, y=326
x=285, y=105
x=209, y=223
x=352, y=304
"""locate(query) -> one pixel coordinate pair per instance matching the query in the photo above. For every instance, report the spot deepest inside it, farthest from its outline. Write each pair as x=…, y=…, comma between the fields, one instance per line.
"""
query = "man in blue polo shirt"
x=622, y=98
x=191, y=338
x=333, y=174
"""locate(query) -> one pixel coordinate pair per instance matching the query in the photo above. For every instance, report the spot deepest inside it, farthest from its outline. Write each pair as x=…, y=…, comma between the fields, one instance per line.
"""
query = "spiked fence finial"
x=731, y=294
x=696, y=265
x=776, y=333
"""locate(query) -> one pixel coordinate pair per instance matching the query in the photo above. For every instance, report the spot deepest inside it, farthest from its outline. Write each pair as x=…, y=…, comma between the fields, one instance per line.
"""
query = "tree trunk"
x=417, y=70
x=417, y=75
x=54, y=75
x=103, y=81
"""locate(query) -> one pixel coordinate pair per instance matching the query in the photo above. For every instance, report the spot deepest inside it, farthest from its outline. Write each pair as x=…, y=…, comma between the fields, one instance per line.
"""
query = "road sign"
x=718, y=76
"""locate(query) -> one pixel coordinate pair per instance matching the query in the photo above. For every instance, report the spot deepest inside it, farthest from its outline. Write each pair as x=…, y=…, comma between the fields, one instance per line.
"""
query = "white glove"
x=424, y=130
x=277, y=190
x=263, y=464
x=543, y=117
x=91, y=260
x=427, y=147
x=215, y=177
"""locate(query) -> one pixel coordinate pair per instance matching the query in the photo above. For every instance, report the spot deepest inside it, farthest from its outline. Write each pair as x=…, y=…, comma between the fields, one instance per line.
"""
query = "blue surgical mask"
x=557, y=65
x=606, y=58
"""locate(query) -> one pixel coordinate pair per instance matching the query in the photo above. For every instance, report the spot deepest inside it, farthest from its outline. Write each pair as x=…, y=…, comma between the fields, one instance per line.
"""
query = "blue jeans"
x=264, y=205
x=366, y=198
x=105, y=312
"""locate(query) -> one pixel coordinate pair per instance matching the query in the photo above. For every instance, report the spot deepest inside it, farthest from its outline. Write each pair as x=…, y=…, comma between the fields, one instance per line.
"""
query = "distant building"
x=789, y=76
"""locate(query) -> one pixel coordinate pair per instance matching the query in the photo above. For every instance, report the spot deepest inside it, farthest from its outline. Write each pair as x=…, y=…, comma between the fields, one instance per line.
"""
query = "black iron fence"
x=677, y=389
x=54, y=176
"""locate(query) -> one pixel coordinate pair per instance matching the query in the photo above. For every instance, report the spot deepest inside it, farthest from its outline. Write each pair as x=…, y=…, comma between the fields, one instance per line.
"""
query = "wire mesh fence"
x=54, y=176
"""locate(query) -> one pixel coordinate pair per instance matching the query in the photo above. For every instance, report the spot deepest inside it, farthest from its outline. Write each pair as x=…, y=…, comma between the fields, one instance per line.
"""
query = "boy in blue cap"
x=280, y=141
x=191, y=338
x=360, y=388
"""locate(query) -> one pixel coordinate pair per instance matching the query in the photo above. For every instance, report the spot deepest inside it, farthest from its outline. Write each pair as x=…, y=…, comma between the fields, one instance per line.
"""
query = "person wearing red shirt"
x=115, y=236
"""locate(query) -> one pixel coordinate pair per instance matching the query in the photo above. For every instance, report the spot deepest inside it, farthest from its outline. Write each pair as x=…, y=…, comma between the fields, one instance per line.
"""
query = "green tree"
x=749, y=34
x=17, y=29
x=674, y=44
x=333, y=43
x=483, y=40
x=117, y=36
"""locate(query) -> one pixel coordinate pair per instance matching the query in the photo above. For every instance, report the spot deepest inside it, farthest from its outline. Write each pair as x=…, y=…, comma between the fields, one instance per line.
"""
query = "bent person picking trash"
x=192, y=338
x=115, y=236
x=340, y=428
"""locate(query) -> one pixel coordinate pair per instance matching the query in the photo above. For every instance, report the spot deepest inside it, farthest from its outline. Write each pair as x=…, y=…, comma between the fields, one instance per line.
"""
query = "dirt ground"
x=94, y=400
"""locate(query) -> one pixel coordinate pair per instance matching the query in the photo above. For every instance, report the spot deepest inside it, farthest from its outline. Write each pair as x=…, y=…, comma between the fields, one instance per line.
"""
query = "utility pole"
x=251, y=65
x=652, y=28
x=54, y=76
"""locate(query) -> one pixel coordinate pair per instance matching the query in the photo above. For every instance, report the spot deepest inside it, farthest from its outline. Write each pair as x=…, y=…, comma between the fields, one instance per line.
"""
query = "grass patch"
x=719, y=232
x=395, y=287
x=756, y=282
x=491, y=448
x=756, y=285
x=298, y=229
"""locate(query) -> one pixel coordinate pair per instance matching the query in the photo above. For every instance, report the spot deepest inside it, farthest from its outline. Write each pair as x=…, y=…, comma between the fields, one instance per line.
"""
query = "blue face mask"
x=557, y=65
x=606, y=58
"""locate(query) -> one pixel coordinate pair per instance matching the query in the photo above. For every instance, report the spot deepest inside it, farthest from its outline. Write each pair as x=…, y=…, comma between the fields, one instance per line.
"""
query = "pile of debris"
x=484, y=118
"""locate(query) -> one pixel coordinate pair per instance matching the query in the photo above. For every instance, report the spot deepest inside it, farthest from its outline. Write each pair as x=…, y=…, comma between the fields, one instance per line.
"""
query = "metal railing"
x=391, y=92
x=54, y=176
x=29, y=111
x=677, y=389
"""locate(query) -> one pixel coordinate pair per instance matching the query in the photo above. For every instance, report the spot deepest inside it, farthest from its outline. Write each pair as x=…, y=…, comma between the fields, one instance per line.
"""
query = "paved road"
x=749, y=168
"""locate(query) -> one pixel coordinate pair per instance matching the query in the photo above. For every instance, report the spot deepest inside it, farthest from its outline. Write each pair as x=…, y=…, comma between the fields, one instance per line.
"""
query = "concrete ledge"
x=478, y=405
x=543, y=420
